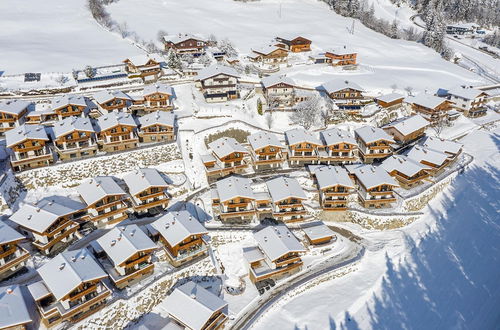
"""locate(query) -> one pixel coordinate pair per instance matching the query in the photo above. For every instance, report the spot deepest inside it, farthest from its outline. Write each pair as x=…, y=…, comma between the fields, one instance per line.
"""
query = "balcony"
x=188, y=253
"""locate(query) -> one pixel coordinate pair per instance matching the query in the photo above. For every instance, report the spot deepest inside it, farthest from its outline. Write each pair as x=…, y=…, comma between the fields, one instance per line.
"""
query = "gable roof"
x=122, y=242
x=13, y=306
x=390, y=97
x=408, y=125
x=193, y=305
x=263, y=139
x=14, y=107
x=8, y=234
x=344, y=50
x=25, y=132
x=441, y=145
x=115, y=118
x=234, y=186
x=226, y=146
x=66, y=271
x=318, y=231
x=142, y=179
x=177, y=226
x=419, y=154
x=371, y=176
x=403, y=164
x=157, y=88
x=466, y=93
x=371, y=134
x=162, y=118
x=266, y=50
x=333, y=86
x=67, y=99
x=300, y=135
x=108, y=95
x=182, y=37
x=426, y=100
x=281, y=188
x=97, y=188
x=70, y=124
x=276, y=79
x=291, y=37
x=216, y=70
x=330, y=176
x=276, y=241
x=336, y=135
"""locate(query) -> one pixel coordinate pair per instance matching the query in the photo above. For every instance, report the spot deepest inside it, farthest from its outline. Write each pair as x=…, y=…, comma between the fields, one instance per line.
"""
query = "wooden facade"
x=219, y=88
x=186, y=45
x=334, y=198
x=13, y=258
x=109, y=210
x=220, y=167
x=236, y=210
x=77, y=144
x=289, y=210
x=341, y=58
x=304, y=153
x=271, y=55
x=268, y=157
x=30, y=153
x=190, y=248
x=154, y=197
x=435, y=114
x=295, y=45
x=157, y=101
x=9, y=120
x=117, y=138
x=380, y=196
x=69, y=110
x=342, y=153
x=147, y=70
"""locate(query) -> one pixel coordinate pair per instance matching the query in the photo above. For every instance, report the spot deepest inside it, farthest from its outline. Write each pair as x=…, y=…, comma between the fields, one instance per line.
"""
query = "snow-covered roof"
x=390, y=97
x=330, y=176
x=409, y=125
x=253, y=254
x=38, y=290
x=402, y=164
x=142, y=59
x=69, y=269
x=425, y=100
x=226, y=146
x=344, y=50
x=193, y=305
x=157, y=88
x=13, y=307
x=263, y=139
x=466, y=93
x=276, y=241
x=290, y=36
x=371, y=176
x=266, y=50
x=142, y=179
x=300, y=135
x=97, y=188
x=181, y=37
x=420, y=154
x=71, y=124
x=370, y=134
x=318, y=231
x=67, y=99
x=215, y=70
x=441, y=145
x=177, y=226
x=234, y=186
x=14, y=107
x=8, y=234
x=162, y=118
x=277, y=79
x=115, y=118
x=40, y=216
x=123, y=242
x=25, y=132
x=106, y=95
x=336, y=135
x=338, y=85
x=281, y=188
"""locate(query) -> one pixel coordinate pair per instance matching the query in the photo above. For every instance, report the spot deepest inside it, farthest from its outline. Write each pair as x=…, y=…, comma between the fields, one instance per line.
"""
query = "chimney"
x=73, y=258
x=9, y=291
x=113, y=242
x=61, y=266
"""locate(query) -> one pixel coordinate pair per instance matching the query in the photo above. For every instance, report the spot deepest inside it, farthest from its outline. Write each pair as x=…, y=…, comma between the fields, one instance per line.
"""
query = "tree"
x=123, y=29
x=394, y=33
x=307, y=113
x=205, y=60
x=409, y=90
x=160, y=36
x=259, y=107
x=74, y=73
x=89, y=71
x=173, y=60
x=269, y=120
x=440, y=123
x=62, y=79
x=227, y=46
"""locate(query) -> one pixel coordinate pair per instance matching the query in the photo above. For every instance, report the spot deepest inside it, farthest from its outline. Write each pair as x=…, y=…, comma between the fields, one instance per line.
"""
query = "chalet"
x=233, y=199
x=470, y=101
x=406, y=171
x=287, y=199
x=148, y=67
x=340, y=147
x=435, y=161
x=13, y=257
x=71, y=289
x=74, y=137
x=375, y=187
x=148, y=190
x=194, y=307
x=334, y=186
x=41, y=114
x=374, y=143
x=181, y=236
x=70, y=105
x=294, y=44
x=16, y=311
x=12, y=114
x=431, y=107
x=185, y=44
x=279, y=91
x=116, y=131
x=318, y=233
x=407, y=130
x=227, y=156
x=107, y=202
x=461, y=29
x=451, y=148
x=127, y=253
x=391, y=100
x=276, y=255
x=218, y=83
x=303, y=146
x=341, y=56
x=158, y=97
x=50, y=224
x=28, y=145
x=266, y=150
x=108, y=101
x=346, y=94
x=271, y=55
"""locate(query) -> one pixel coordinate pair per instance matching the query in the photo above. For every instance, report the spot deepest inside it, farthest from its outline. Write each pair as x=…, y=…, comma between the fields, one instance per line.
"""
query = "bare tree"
x=89, y=71
x=440, y=123
x=160, y=36
x=122, y=28
x=269, y=120
x=62, y=79
x=227, y=46
x=307, y=113
x=409, y=90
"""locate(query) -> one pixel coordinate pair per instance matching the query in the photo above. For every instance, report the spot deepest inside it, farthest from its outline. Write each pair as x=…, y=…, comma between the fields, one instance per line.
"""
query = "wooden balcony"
x=16, y=261
x=46, y=246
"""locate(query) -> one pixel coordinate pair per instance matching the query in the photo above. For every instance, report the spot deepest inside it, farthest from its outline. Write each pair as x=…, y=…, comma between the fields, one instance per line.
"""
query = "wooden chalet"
x=341, y=56
x=340, y=147
x=233, y=200
x=470, y=101
x=407, y=171
x=270, y=55
x=191, y=306
x=71, y=289
x=157, y=126
x=158, y=97
x=375, y=187
x=294, y=44
x=148, y=190
x=434, y=160
x=392, y=100
x=279, y=91
x=185, y=44
x=373, y=143
x=218, y=83
x=108, y=101
x=126, y=255
x=70, y=106
x=13, y=257
x=303, y=147
x=335, y=186
x=107, y=202
x=347, y=95
x=116, y=131
x=51, y=224
x=430, y=107
x=181, y=235
x=148, y=67
x=28, y=145
x=42, y=114
x=407, y=130
x=318, y=233
x=16, y=312
x=74, y=137
x=227, y=156
x=451, y=148
x=287, y=199
x=277, y=254
x=266, y=150
x=12, y=114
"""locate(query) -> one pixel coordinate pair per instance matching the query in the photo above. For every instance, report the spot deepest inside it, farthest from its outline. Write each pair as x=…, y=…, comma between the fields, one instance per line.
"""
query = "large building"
x=347, y=95
x=117, y=131
x=375, y=187
x=303, y=147
x=334, y=186
x=431, y=107
x=295, y=44
x=373, y=143
x=279, y=91
x=226, y=156
x=407, y=171
x=185, y=44
x=287, y=197
x=266, y=150
x=218, y=83
x=16, y=310
x=340, y=147
x=148, y=190
x=74, y=137
x=13, y=257
x=233, y=199
x=157, y=126
x=29, y=147
x=407, y=130
x=12, y=114
x=471, y=101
